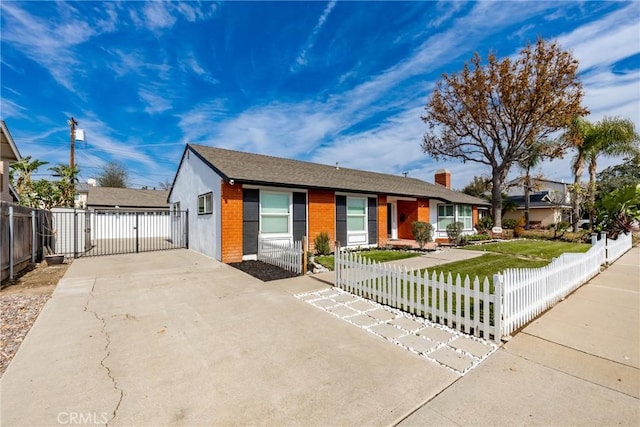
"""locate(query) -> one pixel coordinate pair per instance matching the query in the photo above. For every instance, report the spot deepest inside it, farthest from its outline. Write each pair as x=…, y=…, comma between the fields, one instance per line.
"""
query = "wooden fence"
x=283, y=254
x=464, y=304
x=22, y=237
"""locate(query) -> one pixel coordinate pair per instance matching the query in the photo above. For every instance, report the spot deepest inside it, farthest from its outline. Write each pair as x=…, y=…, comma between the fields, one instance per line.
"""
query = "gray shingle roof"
x=127, y=197
x=261, y=169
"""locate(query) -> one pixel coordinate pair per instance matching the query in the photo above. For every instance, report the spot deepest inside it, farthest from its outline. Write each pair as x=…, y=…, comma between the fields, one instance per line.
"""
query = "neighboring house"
x=107, y=199
x=550, y=201
x=8, y=154
x=82, y=193
x=235, y=198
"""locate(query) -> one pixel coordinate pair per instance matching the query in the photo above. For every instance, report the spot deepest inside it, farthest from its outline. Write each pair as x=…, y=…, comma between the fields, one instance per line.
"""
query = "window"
x=176, y=209
x=445, y=216
x=205, y=204
x=448, y=214
x=356, y=215
x=464, y=215
x=275, y=212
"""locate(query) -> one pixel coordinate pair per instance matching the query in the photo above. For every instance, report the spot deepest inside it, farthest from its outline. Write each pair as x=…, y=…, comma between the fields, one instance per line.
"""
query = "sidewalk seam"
x=569, y=374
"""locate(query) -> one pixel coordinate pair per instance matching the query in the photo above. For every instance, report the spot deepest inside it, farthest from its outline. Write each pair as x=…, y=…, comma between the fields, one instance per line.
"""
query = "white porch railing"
x=466, y=305
x=617, y=248
x=283, y=254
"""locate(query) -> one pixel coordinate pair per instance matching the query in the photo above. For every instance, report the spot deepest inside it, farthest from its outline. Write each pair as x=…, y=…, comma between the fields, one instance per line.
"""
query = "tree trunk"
x=592, y=191
x=527, y=199
x=575, y=200
x=496, y=197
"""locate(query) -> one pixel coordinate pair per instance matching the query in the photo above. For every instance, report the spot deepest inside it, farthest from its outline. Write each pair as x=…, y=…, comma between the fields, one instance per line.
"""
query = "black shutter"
x=299, y=215
x=250, y=221
x=373, y=220
x=341, y=220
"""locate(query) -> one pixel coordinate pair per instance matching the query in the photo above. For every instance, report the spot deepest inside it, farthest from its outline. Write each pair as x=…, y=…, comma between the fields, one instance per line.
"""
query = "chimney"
x=443, y=177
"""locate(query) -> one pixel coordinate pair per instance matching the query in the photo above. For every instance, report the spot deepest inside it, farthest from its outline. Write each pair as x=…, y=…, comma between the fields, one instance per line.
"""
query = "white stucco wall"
x=194, y=178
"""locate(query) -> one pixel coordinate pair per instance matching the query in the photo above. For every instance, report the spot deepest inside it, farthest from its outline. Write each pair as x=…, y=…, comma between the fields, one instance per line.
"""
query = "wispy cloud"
x=155, y=102
x=48, y=42
x=302, y=60
x=190, y=64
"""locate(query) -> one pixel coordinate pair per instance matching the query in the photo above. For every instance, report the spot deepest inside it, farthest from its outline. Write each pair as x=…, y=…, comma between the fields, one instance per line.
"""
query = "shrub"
x=422, y=232
x=454, y=232
x=477, y=237
x=322, y=244
x=519, y=228
x=509, y=224
x=484, y=225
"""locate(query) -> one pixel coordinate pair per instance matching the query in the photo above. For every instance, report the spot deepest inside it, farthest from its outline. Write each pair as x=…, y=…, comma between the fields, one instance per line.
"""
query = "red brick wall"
x=423, y=210
x=321, y=215
x=443, y=178
x=382, y=220
x=474, y=215
x=231, y=217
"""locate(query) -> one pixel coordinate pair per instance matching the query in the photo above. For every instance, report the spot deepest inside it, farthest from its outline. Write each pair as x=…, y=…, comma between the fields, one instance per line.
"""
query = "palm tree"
x=22, y=182
x=533, y=159
x=67, y=185
x=609, y=137
x=576, y=136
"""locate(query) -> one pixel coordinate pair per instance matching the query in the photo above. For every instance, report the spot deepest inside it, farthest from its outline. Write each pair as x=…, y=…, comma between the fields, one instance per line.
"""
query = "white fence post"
x=11, y=242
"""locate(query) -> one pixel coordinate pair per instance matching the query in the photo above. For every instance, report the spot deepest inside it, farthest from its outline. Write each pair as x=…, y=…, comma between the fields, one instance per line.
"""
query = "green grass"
x=375, y=255
x=326, y=261
x=384, y=256
x=485, y=266
x=540, y=249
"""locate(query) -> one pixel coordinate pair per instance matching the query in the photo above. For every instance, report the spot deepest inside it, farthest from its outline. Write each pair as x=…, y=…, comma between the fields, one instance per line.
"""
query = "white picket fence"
x=527, y=292
x=283, y=254
x=461, y=303
x=617, y=248
x=515, y=297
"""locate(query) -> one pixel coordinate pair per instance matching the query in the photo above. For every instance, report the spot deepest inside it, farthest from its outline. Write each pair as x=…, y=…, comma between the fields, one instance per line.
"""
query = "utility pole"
x=72, y=124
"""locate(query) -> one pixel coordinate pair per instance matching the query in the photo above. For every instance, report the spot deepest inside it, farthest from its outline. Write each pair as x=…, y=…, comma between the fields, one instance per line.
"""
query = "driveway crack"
x=107, y=351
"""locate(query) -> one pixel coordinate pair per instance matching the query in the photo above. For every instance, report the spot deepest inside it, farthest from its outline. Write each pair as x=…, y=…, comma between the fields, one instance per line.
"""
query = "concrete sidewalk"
x=578, y=364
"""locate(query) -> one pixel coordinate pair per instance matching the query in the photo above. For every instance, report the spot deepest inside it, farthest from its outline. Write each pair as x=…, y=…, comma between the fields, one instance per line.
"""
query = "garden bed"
x=263, y=271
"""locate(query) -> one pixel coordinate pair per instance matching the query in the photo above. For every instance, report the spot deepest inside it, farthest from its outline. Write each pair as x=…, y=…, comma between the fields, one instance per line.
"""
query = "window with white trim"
x=448, y=214
x=464, y=214
x=205, y=204
x=176, y=209
x=275, y=212
x=356, y=215
x=445, y=216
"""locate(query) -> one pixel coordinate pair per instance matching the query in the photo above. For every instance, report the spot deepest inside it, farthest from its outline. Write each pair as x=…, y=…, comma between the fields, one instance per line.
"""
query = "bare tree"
x=493, y=114
x=114, y=174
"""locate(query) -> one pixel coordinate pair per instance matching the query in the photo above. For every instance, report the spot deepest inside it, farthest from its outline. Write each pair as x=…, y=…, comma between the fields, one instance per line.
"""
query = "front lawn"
x=377, y=255
x=535, y=249
x=484, y=266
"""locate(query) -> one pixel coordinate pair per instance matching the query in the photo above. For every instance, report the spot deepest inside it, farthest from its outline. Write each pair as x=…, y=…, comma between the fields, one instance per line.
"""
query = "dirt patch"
x=263, y=271
x=20, y=304
x=38, y=279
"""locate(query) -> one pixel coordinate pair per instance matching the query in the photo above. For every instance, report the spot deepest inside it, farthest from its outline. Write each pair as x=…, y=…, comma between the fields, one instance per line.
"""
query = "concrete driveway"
x=176, y=338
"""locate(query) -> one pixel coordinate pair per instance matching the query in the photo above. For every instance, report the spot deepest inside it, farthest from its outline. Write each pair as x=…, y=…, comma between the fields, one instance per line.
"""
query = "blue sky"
x=320, y=81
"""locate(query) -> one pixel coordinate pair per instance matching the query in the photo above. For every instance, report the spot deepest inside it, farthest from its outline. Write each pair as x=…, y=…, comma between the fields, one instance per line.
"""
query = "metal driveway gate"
x=90, y=233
